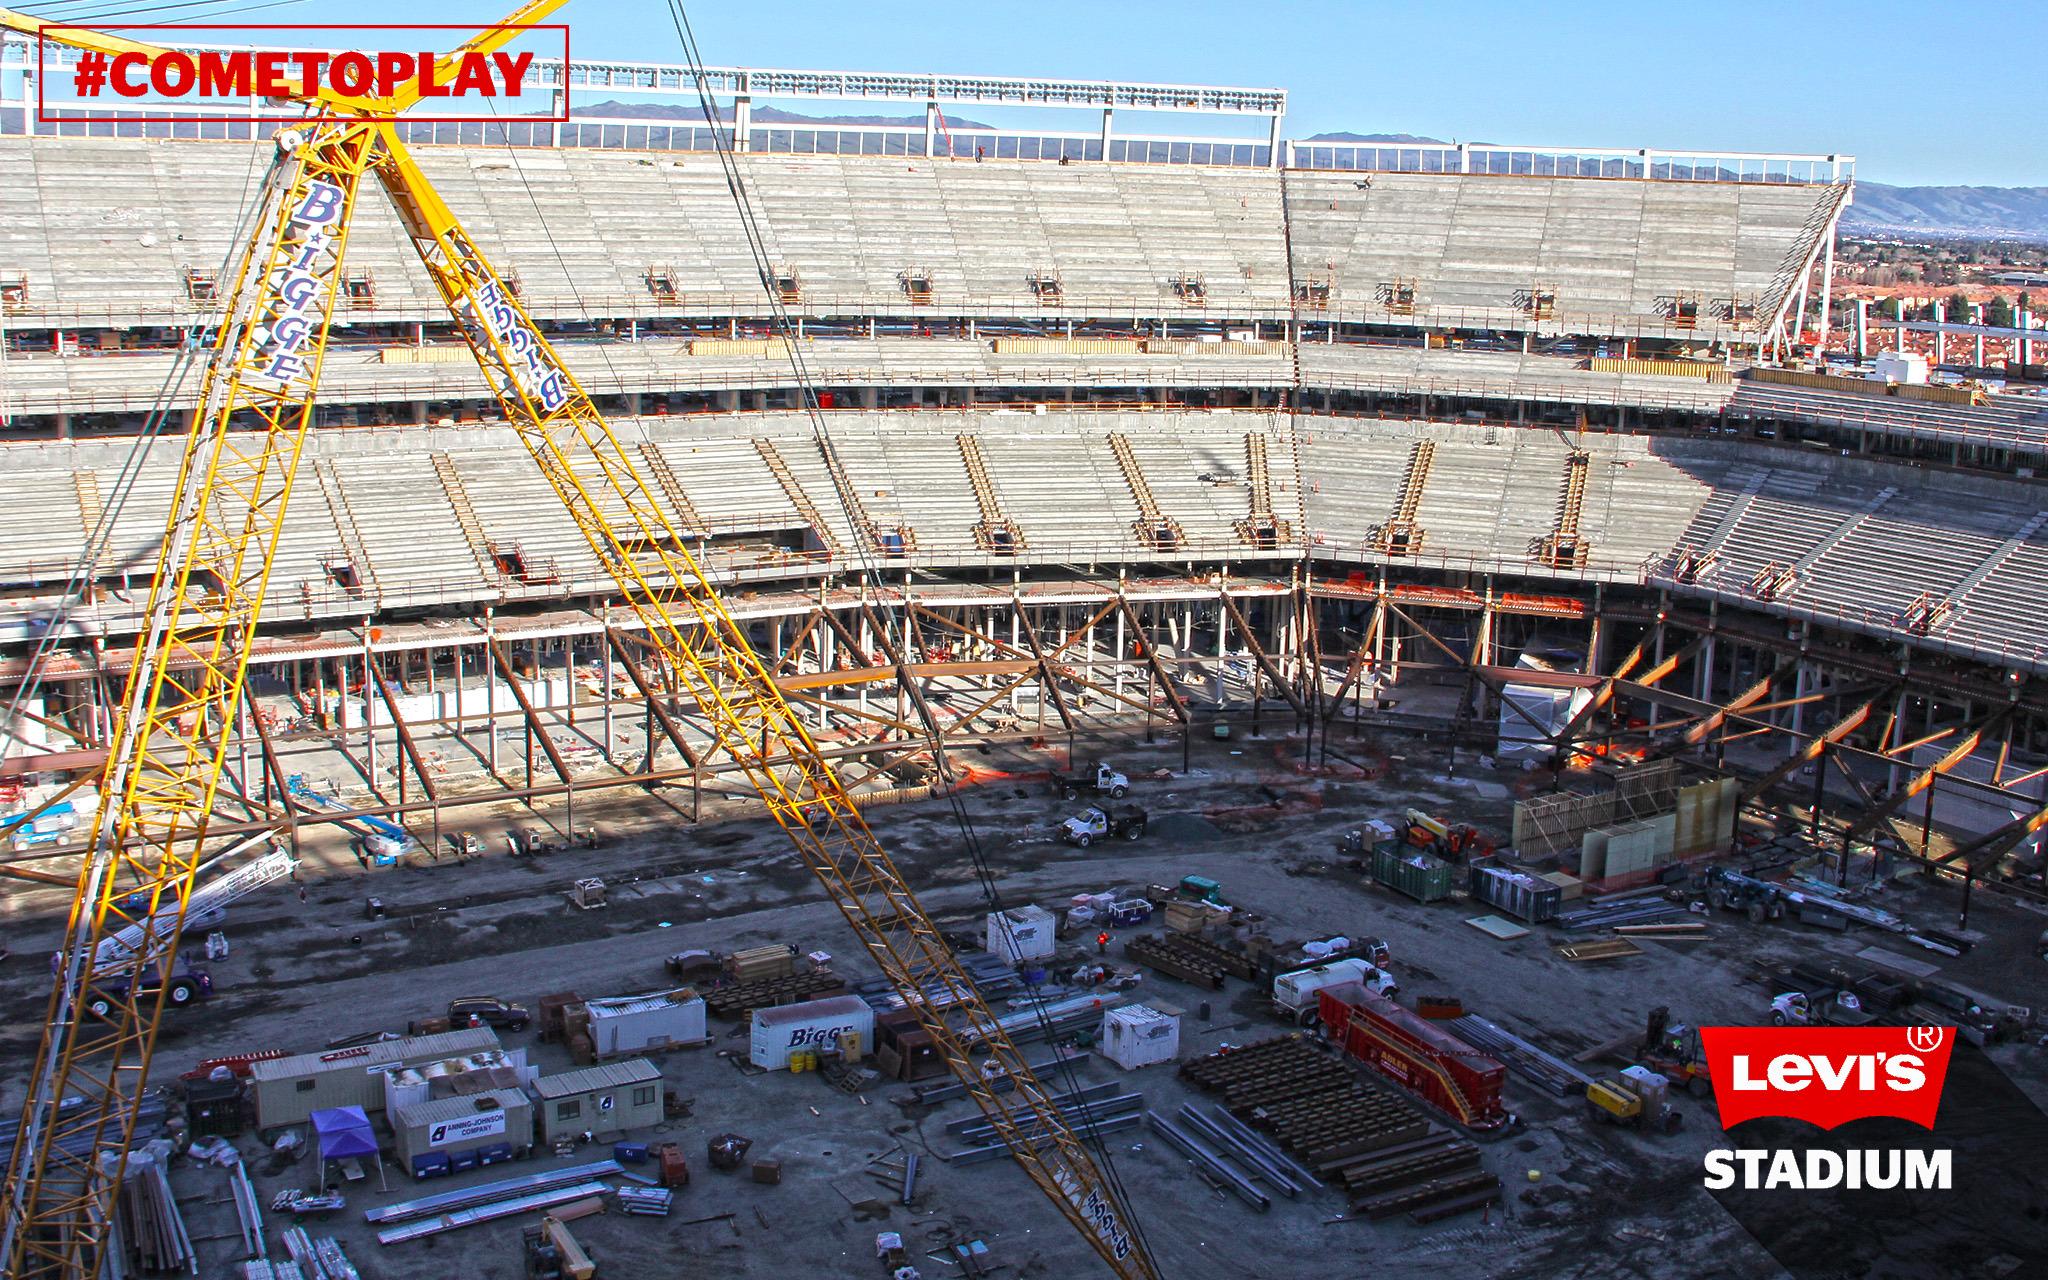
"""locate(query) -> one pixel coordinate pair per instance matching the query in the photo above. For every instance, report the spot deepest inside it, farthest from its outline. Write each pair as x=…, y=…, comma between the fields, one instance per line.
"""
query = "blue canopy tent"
x=345, y=1133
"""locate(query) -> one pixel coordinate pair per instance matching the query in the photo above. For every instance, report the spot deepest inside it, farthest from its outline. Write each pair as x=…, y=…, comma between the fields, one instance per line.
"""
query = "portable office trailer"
x=450, y=1135
x=612, y=1097
x=290, y=1090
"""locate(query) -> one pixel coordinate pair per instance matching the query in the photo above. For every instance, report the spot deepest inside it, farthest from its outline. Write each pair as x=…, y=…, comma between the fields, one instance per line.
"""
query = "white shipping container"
x=1139, y=1036
x=1022, y=933
x=814, y=1024
x=637, y=1024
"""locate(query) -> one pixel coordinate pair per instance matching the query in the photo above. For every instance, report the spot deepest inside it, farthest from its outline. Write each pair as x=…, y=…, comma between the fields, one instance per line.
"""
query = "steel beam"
x=533, y=722
x=406, y=745
x=1251, y=641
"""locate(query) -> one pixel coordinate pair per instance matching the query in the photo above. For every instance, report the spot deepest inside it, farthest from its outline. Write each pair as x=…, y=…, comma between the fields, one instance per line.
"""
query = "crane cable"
x=724, y=144
x=821, y=436
x=191, y=350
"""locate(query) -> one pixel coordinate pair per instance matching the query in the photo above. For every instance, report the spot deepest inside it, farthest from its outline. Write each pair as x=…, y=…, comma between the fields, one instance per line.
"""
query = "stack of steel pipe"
x=149, y=1125
x=1050, y=1020
x=248, y=1209
x=488, y=1211
x=646, y=1201
x=148, y=1221
x=1242, y=1153
x=320, y=1259
x=1084, y=1129
x=1096, y=1109
x=1540, y=1068
x=1608, y=914
x=1209, y=1161
x=941, y=1090
x=484, y=1193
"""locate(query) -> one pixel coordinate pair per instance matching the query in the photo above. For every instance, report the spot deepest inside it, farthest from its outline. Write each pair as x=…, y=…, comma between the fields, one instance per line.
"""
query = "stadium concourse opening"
x=1421, y=535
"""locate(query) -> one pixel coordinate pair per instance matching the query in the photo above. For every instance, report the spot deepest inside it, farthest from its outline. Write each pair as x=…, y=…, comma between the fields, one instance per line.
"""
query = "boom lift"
x=241, y=454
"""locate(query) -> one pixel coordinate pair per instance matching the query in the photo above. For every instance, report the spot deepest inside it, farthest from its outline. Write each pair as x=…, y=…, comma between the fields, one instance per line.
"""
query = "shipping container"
x=1419, y=1054
x=1138, y=1036
x=614, y=1097
x=496, y=1126
x=842, y=1023
x=1420, y=876
x=646, y=1024
x=1519, y=894
x=1022, y=933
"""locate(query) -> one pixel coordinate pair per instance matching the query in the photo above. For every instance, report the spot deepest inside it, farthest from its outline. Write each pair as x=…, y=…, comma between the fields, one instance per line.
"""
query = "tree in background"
x=1998, y=312
x=1957, y=308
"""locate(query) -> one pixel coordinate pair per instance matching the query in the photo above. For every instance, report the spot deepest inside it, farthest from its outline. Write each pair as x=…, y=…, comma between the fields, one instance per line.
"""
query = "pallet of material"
x=1436, y=1191
x=759, y=964
x=1235, y=963
x=1437, y=1159
x=738, y=1002
x=1612, y=949
x=1314, y=1106
x=1161, y=953
x=1466, y=1203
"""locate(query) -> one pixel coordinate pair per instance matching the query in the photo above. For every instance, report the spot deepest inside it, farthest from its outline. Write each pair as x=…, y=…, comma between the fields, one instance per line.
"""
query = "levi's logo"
x=1827, y=1076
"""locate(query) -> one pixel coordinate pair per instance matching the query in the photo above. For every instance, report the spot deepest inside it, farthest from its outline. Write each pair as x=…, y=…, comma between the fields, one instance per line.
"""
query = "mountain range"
x=2019, y=213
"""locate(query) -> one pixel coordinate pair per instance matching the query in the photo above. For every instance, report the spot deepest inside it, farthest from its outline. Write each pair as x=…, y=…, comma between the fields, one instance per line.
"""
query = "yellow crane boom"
x=241, y=452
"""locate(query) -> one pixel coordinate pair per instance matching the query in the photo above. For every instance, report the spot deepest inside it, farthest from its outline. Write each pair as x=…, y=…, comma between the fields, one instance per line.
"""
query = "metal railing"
x=1778, y=168
x=888, y=307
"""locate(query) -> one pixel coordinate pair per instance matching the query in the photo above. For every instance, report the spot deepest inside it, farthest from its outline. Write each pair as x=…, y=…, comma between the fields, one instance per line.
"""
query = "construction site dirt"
x=1579, y=1199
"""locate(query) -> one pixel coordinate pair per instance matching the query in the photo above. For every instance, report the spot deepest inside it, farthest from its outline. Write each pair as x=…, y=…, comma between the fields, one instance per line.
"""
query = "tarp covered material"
x=344, y=1132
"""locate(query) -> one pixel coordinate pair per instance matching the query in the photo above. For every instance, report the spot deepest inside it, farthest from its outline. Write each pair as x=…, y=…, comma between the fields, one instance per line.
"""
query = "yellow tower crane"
x=158, y=793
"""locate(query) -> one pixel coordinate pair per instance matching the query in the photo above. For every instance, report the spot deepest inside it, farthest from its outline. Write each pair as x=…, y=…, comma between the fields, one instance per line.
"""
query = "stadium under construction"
x=1502, y=508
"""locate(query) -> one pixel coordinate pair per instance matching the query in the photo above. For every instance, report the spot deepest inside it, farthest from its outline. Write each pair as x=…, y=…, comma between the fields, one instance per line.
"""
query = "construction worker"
x=1102, y=943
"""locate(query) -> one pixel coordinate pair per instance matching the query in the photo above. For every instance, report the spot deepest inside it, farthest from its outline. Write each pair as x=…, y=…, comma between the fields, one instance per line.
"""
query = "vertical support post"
x=742, y=122
x=369, y=716
x=1940, y=335
x=1862, y=329
x=1827, y=289
x=931, y=129
x=490, y=690
x=1108, y=129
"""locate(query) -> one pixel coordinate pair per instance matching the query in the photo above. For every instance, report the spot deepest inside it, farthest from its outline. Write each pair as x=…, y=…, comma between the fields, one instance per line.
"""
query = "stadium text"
x=1887, y=1169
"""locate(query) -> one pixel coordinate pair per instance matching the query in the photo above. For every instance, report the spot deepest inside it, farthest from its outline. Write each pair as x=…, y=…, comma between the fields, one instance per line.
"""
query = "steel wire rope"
x=723, y=142
x=83, y=571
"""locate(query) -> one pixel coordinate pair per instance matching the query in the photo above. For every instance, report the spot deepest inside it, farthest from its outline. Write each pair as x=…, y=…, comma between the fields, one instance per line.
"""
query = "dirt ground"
x=1581, y=1200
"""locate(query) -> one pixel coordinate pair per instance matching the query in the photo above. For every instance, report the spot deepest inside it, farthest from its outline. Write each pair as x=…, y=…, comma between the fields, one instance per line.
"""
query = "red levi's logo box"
x=1827, y=1076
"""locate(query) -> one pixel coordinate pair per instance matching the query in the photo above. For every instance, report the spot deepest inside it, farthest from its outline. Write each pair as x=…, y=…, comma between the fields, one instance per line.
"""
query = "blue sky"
x=1919, y=93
